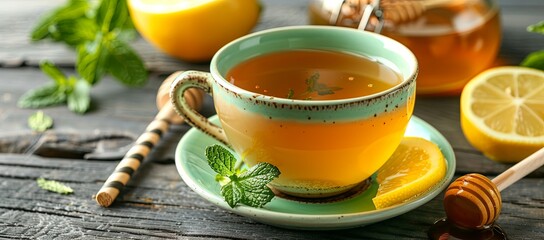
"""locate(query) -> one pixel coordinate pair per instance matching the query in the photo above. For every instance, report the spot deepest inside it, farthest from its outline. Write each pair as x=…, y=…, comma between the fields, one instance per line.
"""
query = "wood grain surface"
x=157, y=204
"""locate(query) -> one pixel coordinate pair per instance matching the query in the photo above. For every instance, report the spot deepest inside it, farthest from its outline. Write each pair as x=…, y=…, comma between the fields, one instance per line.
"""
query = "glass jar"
x=453, y=40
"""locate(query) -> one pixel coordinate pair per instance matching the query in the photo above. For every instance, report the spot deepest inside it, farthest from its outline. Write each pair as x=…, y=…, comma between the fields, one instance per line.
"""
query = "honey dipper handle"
x=520, y=170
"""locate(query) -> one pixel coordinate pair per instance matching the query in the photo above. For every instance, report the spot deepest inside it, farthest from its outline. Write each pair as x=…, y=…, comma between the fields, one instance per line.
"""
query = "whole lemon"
x=193, y=30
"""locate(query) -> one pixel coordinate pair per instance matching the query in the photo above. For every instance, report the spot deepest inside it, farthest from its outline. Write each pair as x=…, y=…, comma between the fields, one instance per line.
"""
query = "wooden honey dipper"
x=406, y=10
x=154, y=131
x=473, y=201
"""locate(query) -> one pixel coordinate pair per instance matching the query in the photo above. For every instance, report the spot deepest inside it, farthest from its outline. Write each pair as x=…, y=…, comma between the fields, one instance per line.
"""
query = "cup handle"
x=195, y=79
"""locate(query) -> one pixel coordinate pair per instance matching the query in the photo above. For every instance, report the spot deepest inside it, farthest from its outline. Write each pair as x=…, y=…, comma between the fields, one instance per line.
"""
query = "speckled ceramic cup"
x=322, y=147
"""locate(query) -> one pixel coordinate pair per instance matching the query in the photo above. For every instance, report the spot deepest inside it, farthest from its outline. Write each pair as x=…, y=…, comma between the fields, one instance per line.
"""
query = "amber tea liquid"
x=300, y=149
x=313, y=75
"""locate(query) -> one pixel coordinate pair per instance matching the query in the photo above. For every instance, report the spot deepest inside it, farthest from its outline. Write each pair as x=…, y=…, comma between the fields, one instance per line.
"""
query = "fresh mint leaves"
x=55, y=24
x=537, y=28
x=40, y=122
x=98, y=31
x=249, y=186
x=54, y=186
x=71, y=90
x=535, y=59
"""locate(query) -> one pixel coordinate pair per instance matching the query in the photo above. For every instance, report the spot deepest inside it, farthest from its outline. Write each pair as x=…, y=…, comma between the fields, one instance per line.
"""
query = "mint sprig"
x=535, y=59
x=54, y=186
x=98, y=31
x=71, y=90
x=247, y=187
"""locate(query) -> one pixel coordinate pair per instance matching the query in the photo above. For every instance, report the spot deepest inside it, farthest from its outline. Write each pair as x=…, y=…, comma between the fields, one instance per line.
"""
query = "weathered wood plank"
x=174, y=211
x=157, y=204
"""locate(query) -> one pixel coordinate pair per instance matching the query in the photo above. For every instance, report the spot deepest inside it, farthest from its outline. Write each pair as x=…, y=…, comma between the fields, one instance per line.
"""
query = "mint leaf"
x=79, y=99
x=259, y=175
x=257, y=197
x=53, y=72
x=45, y=96
x=91, y=60
x=221, y=160
x=75, y=31
x=249, y=187
x=50, y=94
x=537, y=28
x=112, y=15
x=47, y=25
x=254, y=181
x=124, y=64
x=534, y=60
x=233, y=193
x=54, y=186
x=40, y=122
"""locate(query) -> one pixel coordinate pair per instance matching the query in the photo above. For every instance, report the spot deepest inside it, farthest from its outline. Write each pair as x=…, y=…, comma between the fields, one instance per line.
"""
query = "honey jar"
x=453, y=40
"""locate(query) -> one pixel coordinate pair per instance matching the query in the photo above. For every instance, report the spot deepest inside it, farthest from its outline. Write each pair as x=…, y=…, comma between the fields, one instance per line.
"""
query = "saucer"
x=351, y=212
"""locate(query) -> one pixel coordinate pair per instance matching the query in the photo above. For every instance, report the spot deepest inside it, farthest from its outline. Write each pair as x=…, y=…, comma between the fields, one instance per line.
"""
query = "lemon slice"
x=502, y=112
x=414, y=168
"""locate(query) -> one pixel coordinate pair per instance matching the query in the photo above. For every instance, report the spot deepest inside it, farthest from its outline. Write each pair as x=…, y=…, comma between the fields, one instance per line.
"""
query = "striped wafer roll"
x=143, y=145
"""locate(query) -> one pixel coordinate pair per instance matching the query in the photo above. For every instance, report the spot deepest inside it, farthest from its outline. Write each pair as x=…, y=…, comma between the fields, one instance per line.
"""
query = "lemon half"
x=193, y=30
x=502, y=112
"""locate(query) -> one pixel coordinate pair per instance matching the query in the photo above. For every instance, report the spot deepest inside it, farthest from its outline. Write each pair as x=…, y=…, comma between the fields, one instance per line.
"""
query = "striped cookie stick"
x=143, y=145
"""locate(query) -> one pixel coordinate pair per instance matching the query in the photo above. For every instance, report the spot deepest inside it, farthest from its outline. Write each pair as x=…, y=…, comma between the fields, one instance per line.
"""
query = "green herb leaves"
x=55, y=24
x=98, y=33
x=40, y=122
x=241, y=186
x=76, y=92
x=535, y=59
x=537, y=28
x=54, y=186
x=314, y=86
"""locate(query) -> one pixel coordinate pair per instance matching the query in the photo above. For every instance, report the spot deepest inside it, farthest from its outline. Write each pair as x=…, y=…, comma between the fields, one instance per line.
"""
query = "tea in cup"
x=326, y=105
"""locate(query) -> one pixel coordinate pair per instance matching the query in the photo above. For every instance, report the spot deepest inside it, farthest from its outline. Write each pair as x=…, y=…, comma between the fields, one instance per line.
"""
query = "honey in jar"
x=453, y=40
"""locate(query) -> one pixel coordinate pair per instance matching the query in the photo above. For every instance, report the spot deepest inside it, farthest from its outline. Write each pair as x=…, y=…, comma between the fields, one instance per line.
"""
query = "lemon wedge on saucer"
x=415, y=167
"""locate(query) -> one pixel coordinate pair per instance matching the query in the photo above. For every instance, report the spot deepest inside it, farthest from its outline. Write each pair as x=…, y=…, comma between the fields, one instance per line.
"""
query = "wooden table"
x=156, y=203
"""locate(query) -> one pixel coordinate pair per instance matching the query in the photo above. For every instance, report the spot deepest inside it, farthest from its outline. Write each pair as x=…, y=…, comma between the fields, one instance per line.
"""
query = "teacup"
x=321, y=147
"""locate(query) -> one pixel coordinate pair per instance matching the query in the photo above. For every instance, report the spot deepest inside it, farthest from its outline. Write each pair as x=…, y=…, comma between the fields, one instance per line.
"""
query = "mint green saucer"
x=353, y=212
